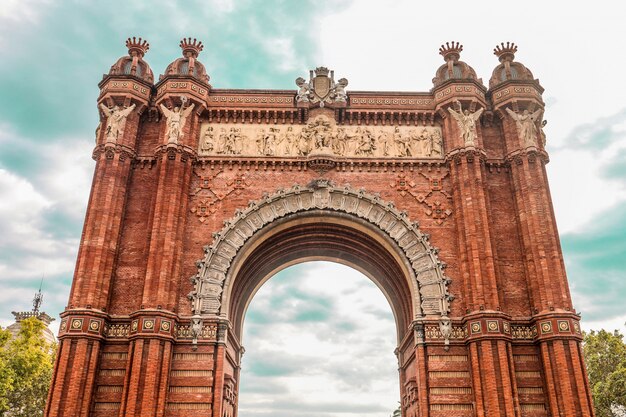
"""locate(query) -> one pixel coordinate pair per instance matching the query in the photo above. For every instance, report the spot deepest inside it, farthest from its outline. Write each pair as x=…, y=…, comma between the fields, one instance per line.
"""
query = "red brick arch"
x=317, y=222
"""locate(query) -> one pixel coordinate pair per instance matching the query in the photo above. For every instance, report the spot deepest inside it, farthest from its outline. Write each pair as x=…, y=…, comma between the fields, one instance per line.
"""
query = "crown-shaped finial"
x=321, y=72
x=505, y=52
x=137, y=45
x=192, y=47
x=451, y=51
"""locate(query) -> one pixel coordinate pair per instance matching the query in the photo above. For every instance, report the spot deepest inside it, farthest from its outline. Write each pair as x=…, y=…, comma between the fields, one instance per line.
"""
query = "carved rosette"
x=321, y=195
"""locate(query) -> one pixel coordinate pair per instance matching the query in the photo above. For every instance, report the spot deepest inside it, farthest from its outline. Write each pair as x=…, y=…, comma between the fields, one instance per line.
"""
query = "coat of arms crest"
x=321, y=88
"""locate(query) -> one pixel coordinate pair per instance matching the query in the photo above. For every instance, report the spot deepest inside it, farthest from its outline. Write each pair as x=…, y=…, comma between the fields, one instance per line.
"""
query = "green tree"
x=6, y=373
x=28, y=360
x=605, y=356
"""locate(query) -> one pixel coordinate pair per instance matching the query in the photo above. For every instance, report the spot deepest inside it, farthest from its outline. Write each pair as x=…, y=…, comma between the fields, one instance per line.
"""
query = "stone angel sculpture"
x=116, y=119
x=526, y=125
x=467, y=122
x=176, y=119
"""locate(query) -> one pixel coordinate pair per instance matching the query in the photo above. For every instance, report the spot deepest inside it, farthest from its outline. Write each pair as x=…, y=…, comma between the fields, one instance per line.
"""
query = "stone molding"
x=213, y=269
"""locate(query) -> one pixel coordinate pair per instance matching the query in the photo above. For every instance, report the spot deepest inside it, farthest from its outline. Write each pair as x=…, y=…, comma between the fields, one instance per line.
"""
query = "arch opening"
x=320, y=340
x=316, y=222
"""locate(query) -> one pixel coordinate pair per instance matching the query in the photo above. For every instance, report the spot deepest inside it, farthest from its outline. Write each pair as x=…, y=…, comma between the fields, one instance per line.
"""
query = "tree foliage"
x=605, y=356
x=26, y=364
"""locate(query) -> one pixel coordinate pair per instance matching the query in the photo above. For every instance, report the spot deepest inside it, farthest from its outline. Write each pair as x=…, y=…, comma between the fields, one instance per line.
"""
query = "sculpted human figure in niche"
x=116, y=119
x=526, y=125
x=466, y=122
x=176, y=120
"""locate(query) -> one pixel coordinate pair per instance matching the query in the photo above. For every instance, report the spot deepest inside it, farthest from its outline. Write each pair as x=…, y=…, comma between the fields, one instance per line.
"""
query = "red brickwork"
x=128, y=342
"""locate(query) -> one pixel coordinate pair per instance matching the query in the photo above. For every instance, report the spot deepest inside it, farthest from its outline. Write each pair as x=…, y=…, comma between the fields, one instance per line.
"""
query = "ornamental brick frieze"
x=113, y=151
x=401, y=100
x=213, y=269
x=436, y=201
x=516, y=91
x=209, y=191
x=529, y=155
x=321, y=135
x=174, y=87
x=464, y=91
x=82, y=323
x=115, y=86
x=501, y=328
x=250, y=99
x=173, y=151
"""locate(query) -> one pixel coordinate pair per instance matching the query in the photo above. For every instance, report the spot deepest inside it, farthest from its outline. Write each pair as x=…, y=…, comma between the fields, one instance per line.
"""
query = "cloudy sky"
x=53, y=53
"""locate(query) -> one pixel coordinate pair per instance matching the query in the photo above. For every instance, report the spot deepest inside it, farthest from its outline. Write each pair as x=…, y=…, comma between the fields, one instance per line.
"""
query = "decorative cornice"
x=175, y=151
x=109, y=150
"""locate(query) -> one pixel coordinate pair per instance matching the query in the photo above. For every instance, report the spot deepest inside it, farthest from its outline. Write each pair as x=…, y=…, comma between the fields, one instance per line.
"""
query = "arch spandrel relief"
x=213, y=269
x=322, y=135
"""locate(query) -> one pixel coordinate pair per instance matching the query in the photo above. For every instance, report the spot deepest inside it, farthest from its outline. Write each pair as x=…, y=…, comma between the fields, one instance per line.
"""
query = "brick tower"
x=200, y=195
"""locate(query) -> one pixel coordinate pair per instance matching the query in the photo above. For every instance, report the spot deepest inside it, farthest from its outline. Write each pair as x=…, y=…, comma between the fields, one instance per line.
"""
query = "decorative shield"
x=321, y=86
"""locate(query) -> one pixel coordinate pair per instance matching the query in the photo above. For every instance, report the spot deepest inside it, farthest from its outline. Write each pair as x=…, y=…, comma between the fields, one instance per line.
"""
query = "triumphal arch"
x=201, y=194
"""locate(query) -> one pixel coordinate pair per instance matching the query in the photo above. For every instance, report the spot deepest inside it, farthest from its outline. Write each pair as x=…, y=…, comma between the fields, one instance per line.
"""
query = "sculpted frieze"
x=320, y=135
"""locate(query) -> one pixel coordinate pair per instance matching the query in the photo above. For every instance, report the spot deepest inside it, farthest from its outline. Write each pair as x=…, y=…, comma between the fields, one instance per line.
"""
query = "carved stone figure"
x=543, y=133
x=319, y=131
x=207, y=140
x=221, y=141
x=366, y=145
x=196, y=330
x=466, y=122
x=445, y=326
x=284, y=142
x=340, y=91
x=260, y=141
x=526, y=125
x=386, y=143
x=303, y=92
x=437, y=143
x=176, y=120
x=116, y=119
x=402, y=143
x=338, y=141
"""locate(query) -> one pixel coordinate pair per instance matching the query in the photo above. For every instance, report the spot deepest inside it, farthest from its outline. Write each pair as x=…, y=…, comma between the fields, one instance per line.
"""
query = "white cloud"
x=324, y=361
x=579, y=191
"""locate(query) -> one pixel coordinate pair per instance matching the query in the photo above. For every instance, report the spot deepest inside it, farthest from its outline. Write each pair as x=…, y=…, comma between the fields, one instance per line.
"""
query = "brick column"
x=146, y=391
x=491, y=366
x=89, y=296
x=566, y=384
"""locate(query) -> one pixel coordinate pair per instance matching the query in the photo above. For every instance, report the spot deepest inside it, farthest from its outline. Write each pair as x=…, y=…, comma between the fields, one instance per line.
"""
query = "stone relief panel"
x=436, y=201
x=320, y=135
x=213, y=269
x=211, y=189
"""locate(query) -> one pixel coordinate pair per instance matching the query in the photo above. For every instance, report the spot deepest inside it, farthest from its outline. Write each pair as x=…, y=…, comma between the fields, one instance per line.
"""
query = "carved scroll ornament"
x=213, y=269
